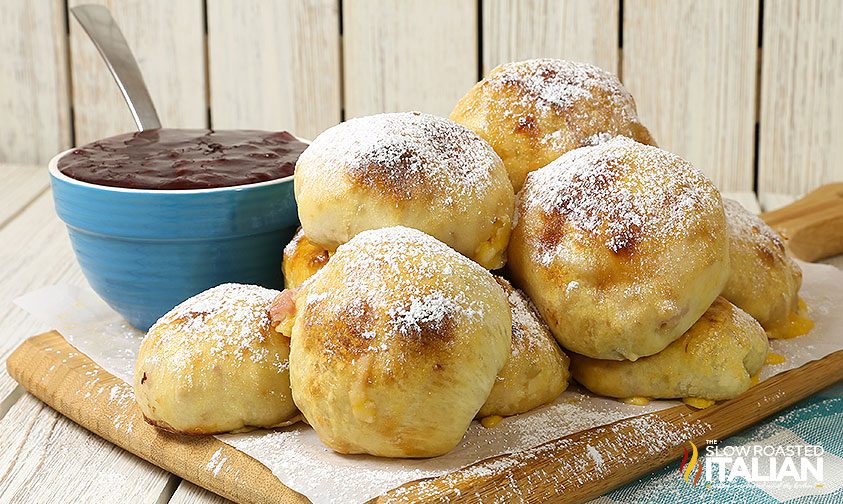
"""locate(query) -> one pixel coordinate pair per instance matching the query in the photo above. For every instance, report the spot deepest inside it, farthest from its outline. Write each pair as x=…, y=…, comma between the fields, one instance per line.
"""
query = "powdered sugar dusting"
x=121, y=398
x=550, y=84
x=246, y=323
x=595, y=455
x=529, y=332
x=745, y=227
x=407, y=274
x=599, y=193
x=427, y=310
x=406, y=155
x=216, y=463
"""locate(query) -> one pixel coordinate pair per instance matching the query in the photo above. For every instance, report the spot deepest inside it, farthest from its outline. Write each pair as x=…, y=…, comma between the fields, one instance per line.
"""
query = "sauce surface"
x=169, y=159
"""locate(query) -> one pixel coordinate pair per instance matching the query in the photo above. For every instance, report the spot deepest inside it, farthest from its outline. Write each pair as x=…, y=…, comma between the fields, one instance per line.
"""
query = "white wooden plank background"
x=34, y=101
x=801, y=121
x=29, y=182
x=408, y=54
x=167, y=39
x=691, y=64
x=35, y=253
x=691, y=67
x=274, y=65
x=48, y=458
x=188, y=493
x=580, y=30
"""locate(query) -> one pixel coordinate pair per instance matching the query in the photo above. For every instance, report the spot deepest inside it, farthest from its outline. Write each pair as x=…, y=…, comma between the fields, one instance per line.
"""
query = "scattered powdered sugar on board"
x=595, y=455
x=216, y=463
x=620, y=193
x=623, y=444
x=122, y=398
x=405, y=155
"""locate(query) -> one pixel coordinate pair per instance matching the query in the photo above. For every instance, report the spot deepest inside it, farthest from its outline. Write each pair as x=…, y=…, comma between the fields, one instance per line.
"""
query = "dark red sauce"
x=184, y=159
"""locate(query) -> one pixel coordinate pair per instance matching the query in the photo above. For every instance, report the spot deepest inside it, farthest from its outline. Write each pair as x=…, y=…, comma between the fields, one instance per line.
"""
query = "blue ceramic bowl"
x=144, y=251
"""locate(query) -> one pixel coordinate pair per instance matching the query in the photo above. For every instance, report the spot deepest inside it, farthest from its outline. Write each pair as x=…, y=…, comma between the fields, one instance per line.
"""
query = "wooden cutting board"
x=562, y=470
x=566, y=469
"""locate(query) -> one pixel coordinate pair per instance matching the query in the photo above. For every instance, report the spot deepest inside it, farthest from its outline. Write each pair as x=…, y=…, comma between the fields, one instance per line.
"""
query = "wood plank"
x=579, y=30
x=801, y=88
x=44, y=452
x=36, y=252
x=774, y=201
x=813, y=225
x=408, y=55
x=51, y=369
x=22, y=184
x=34, y=92
x=167, y=39
x=274, y=65
x=188, y=493
x=692, y=69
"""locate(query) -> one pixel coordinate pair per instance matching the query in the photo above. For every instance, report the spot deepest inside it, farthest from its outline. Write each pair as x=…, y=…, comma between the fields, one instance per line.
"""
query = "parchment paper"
x=297, y=457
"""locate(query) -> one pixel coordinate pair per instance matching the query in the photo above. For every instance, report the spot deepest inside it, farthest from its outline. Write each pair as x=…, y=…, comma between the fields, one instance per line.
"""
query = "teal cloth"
x=818, y=420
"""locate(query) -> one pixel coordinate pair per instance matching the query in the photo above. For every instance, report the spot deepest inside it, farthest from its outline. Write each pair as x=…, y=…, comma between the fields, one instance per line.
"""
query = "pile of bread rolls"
x=393, y=333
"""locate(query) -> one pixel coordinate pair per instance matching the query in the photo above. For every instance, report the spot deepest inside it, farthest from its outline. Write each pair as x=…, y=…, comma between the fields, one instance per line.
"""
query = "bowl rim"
x=53, y=167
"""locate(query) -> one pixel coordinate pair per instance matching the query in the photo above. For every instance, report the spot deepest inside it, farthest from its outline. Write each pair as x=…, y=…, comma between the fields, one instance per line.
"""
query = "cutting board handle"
x=812, y=225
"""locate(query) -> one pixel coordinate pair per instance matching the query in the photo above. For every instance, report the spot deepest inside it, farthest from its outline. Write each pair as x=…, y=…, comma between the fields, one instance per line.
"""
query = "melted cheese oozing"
x=286, y=327
x=491, y=421
x=487, y=252
x=754, y=379
x=636, y=401
x=698, y=402
x=774, y=358
x=796, y=324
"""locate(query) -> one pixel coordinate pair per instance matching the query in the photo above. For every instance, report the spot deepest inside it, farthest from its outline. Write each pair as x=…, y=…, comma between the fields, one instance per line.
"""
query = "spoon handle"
x=107, y=37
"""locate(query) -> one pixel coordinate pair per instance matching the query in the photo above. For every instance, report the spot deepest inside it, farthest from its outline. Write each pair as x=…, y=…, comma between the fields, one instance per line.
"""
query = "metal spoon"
x=103, y=31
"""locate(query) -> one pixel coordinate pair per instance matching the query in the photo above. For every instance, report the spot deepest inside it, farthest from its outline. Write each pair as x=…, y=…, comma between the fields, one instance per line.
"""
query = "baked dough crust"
x=716, y=360
x=533, y=111
x=536, y=371
x=396, y=343
x=214, y=364
x=621, y=246
x=302, y=259
x=406, y=169
x=764, y=281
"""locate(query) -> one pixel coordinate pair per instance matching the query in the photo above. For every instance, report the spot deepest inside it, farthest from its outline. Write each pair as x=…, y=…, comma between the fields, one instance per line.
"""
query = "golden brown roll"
x=621, y=246
x=533, y=111
x=765, y=281
x=396, y=343
x=409, y=169
x=214, y=364
x=536, y=371
x=715, y=360
x=302, y=259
